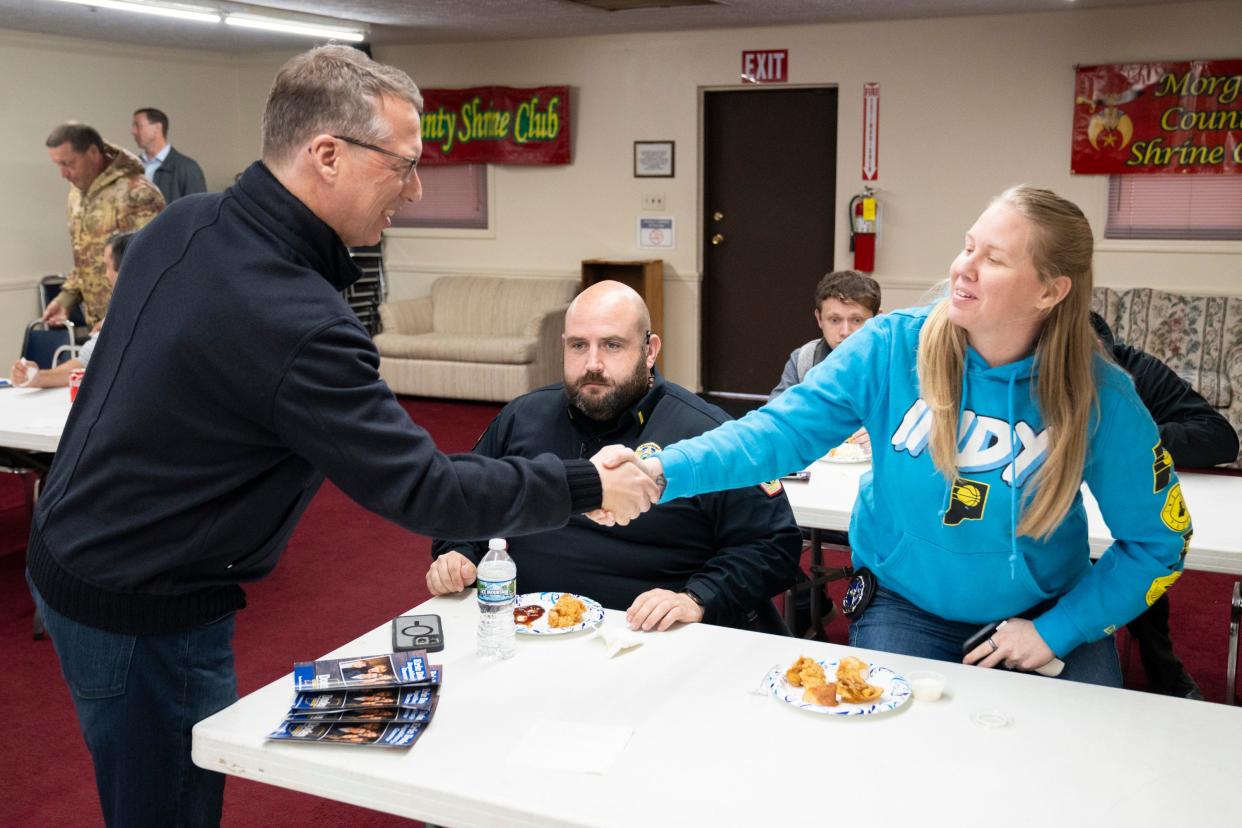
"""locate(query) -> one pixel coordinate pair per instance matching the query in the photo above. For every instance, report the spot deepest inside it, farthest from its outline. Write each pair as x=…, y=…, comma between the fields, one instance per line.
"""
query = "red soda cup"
x=75, y=382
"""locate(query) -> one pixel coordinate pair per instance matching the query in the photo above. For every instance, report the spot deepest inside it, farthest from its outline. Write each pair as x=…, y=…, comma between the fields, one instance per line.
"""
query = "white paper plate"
x=593, y=616
x=849, y=458
x=896, y=691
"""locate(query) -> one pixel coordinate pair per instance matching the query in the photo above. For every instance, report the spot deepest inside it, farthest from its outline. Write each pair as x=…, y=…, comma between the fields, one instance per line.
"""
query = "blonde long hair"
x=1061, y=244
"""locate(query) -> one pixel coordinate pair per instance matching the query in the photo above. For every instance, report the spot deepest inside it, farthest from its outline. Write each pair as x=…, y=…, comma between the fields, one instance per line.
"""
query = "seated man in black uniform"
x=716, y=558
x=1196, y=436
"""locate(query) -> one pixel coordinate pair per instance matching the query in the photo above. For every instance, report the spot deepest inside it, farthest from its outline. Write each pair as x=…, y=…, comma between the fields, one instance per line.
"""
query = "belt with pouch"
x=863, y=585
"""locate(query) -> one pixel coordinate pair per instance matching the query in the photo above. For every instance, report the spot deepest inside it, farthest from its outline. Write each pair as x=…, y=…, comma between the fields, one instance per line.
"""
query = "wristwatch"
x=694, y=596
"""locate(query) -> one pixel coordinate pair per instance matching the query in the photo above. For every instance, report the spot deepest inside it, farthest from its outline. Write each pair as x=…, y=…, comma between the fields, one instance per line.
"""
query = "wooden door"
x=769, y=197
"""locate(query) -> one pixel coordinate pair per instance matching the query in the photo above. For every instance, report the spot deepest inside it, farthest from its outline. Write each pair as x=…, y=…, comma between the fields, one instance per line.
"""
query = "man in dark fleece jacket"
x=232, y=379
x=716, y=558
x=1196, y=436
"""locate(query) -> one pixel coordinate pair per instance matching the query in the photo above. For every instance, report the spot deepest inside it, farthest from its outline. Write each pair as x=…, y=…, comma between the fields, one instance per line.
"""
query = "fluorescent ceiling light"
x=198, y=13
x=204, y=14
x=290, y=27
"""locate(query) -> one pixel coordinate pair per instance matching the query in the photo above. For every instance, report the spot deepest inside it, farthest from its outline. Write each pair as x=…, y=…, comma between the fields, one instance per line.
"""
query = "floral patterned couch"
x=1199, y=337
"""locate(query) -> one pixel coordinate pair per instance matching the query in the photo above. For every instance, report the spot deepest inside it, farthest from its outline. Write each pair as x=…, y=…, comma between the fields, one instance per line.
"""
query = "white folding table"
x=32, y=419
x=705, y=751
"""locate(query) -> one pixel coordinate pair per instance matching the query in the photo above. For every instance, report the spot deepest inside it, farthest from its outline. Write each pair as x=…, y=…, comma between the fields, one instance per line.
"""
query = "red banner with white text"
x=496, y=125
x=1175, y=117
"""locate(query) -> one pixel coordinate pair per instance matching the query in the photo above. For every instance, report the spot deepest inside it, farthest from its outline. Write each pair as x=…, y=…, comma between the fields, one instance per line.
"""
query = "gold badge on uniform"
x=647, y=450
x=772, y=488
x=1161, y=467
x=1174, y=513
x=968, y=499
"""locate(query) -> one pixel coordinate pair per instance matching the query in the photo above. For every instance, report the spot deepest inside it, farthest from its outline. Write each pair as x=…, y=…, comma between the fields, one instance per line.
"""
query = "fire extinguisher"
x=864, y=219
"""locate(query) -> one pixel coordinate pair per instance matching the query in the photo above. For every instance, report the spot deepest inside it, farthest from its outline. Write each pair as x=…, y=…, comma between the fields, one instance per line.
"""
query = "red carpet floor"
x=45, y=765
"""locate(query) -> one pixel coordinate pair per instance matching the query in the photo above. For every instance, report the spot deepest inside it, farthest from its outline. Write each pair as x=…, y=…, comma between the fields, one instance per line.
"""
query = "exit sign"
x=769, y=66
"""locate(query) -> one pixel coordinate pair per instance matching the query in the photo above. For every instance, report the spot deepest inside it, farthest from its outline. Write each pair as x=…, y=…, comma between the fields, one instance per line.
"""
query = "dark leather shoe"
x=1185, y=687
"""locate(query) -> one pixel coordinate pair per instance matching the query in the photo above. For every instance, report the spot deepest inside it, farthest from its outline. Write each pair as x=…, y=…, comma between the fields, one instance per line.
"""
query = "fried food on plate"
x=849, y=451
x=567, y=611
x=806, y=672
x=852, y=683
x=824, y=695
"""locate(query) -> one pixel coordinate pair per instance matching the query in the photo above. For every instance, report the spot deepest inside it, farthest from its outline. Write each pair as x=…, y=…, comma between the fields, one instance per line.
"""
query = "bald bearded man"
x=716, y=558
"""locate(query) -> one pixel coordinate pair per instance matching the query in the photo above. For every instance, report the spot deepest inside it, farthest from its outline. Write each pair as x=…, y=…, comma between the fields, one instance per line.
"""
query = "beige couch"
x=475, y=337
x=1199, y=337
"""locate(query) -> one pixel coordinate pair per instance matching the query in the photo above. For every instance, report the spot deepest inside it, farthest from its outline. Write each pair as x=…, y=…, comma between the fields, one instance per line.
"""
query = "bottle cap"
x=497, y=543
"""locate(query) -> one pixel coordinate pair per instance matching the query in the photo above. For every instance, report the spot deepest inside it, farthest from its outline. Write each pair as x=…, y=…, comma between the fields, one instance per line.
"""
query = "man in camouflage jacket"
x=110, y=195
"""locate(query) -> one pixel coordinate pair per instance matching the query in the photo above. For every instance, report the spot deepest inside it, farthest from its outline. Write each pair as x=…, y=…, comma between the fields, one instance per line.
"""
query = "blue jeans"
x=894, y=625
x=137, y=698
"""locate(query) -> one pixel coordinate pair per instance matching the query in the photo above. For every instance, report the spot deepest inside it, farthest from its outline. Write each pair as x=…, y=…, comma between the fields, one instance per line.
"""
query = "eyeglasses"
x=409, y=171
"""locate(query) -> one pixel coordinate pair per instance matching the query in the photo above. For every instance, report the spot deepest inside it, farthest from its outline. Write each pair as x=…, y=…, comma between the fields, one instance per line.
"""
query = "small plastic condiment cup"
x=926, y=685
x=75, y=382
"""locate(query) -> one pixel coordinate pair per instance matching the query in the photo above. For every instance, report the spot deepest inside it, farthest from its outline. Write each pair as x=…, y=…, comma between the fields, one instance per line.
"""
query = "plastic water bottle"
x=497, y=589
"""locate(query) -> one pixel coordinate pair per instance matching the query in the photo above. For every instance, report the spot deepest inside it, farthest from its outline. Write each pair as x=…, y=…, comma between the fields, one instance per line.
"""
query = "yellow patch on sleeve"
x=647, y=450
x=1174, y=513
x=1161, y=585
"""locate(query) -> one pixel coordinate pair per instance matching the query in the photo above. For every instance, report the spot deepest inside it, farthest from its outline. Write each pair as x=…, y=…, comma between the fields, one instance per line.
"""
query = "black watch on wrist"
x=694, y=596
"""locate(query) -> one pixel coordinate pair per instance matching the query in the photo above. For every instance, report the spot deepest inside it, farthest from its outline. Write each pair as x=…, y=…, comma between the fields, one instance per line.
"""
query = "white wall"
x=214, y=102
x=968, y=107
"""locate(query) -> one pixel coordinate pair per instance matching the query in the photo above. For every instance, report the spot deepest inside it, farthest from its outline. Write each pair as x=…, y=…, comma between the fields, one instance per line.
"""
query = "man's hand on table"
x=450, y=573
x=628, y=491
x=23, y=373
x=659, y=609
x=1016, y=644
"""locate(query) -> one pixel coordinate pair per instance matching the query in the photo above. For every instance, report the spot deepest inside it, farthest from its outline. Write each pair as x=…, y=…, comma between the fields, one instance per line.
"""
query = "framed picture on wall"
x=653, y=159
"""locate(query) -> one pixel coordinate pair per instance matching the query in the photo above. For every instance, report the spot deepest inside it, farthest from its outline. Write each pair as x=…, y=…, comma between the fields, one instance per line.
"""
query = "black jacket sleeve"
x=333, y=409
x=758, y=546
x=1195, y=433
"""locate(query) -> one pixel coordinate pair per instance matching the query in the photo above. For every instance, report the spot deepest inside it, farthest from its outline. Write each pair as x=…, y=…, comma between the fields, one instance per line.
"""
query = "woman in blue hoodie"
x=987, y=411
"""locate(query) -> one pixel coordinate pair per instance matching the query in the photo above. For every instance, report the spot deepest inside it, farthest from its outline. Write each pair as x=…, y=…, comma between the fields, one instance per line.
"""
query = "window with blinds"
x=454, y=196
x=1199, y=207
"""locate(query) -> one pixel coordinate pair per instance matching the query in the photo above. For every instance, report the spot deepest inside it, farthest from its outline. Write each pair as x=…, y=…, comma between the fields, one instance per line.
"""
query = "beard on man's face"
x=620, y=395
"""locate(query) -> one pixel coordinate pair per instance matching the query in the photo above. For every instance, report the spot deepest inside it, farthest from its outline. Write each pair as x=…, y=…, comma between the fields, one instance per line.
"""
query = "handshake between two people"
x=631, y=485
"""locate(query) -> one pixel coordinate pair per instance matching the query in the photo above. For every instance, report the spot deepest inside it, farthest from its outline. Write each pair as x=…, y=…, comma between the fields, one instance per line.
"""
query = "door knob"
x=717, y=239
x=717, y=215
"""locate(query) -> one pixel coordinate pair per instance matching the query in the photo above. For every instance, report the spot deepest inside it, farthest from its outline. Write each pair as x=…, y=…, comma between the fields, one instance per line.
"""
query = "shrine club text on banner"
x=1183, y=117
x=496, y=125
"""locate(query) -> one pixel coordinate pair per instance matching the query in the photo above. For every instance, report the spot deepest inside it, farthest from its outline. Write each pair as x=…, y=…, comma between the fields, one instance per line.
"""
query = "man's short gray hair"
x=333, y=90
x=79, y=136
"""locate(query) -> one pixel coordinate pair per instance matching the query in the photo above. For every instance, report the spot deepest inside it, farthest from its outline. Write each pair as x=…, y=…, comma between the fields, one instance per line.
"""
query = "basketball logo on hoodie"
x=1161, y=468
x=967, y=501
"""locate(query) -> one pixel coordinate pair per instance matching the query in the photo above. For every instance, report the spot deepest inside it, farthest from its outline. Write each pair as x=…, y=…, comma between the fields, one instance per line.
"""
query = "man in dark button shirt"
x=716, y=558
